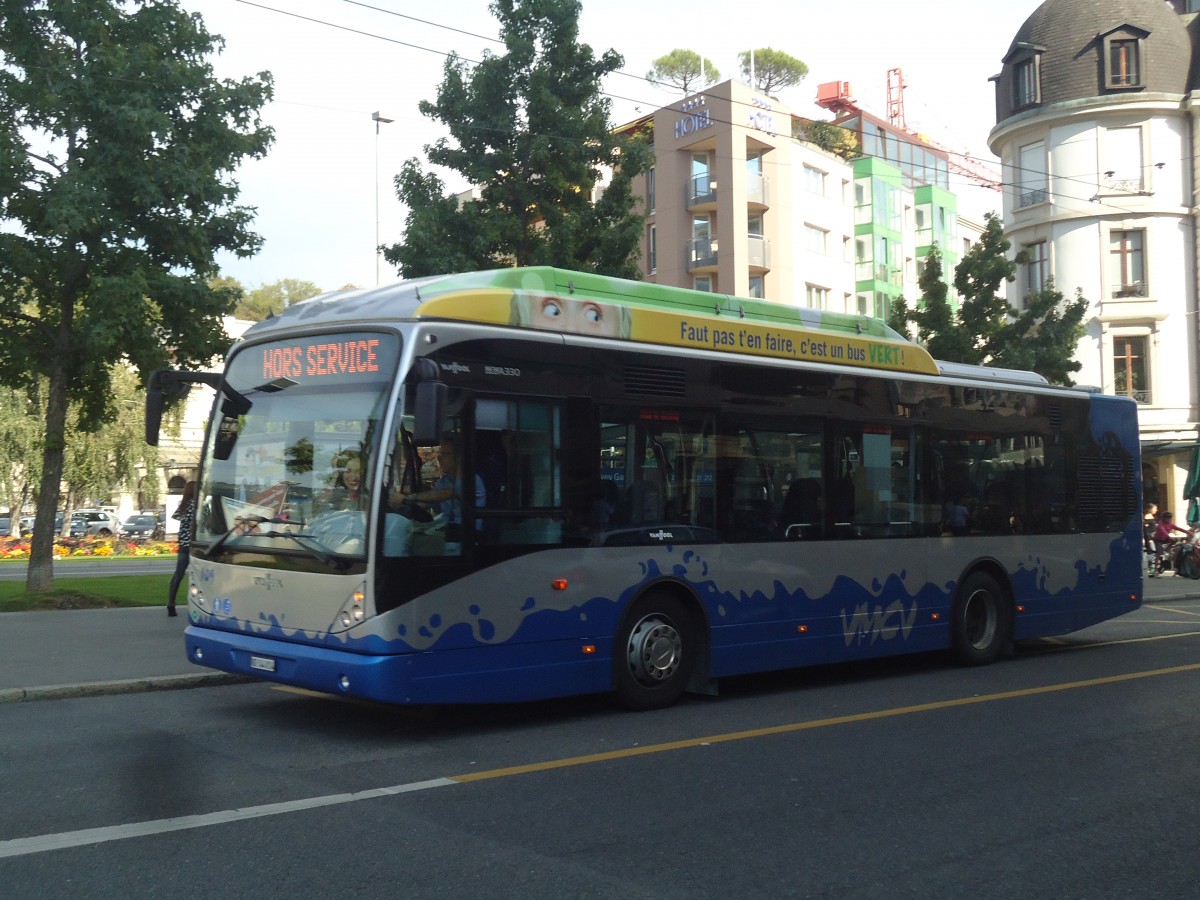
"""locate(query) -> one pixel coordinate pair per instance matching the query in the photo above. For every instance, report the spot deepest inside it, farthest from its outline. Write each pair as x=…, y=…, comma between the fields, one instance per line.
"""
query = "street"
x=1068, y=771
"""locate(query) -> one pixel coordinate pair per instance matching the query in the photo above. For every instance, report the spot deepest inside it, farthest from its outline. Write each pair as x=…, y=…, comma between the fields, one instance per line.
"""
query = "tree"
x=986, y=330
x=773, y=70
x=684, y=69
x=20, y=445
x=272, y=299
x=936, y=323
x=117, y=147
x=841, y=142
x=98, y=466
x=530, y=129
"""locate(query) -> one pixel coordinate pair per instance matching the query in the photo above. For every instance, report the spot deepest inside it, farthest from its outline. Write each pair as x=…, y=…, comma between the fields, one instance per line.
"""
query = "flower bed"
x=18, y=548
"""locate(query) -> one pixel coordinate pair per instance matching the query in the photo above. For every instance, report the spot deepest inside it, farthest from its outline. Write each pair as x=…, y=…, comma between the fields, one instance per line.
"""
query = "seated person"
x=1165, y=532
x=446, y=494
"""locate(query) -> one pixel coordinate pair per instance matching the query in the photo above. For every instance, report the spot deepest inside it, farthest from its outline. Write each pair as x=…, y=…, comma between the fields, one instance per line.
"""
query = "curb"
x=127, y=686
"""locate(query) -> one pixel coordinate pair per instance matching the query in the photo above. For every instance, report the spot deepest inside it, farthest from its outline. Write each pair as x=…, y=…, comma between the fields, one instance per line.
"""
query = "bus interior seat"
x=801, y=512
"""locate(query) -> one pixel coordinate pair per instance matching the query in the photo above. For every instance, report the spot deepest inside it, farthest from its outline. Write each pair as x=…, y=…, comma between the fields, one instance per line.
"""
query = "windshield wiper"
x=308, y=542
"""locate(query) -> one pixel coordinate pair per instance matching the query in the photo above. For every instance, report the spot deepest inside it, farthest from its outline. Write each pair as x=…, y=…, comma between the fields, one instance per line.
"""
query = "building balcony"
x=702, y=255
x=1032, y=198
x=701, y=192
x=758, y=192
x=758, y=254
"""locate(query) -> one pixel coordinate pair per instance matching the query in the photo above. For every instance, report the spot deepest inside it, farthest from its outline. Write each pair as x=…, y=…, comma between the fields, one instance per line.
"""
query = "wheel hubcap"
x=979, y=620
x=655, y=649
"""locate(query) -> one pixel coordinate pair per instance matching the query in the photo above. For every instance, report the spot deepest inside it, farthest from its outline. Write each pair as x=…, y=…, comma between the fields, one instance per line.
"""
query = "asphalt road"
x=1067, y=772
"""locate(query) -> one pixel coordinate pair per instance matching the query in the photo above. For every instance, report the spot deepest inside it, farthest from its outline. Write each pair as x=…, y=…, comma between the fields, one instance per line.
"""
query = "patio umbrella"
x=1191, y=490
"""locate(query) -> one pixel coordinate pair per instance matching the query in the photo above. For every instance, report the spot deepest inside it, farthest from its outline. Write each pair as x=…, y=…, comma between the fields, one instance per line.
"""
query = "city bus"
x=511, y=485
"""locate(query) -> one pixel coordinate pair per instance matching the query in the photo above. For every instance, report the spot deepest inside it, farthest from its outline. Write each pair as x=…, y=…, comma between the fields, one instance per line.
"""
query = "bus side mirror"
x=155, y=400
x=428, y=413
x=164, y=385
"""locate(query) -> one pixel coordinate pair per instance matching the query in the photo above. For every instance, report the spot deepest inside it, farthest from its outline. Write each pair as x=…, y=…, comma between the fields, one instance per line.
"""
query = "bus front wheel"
x=654, y=652
x=981, y=624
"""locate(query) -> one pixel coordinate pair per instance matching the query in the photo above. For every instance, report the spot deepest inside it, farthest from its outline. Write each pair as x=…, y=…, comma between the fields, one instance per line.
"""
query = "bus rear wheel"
x=980, y=626
x=654, y=652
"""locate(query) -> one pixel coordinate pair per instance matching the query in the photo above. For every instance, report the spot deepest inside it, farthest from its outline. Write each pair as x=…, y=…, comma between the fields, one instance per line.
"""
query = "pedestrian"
x=186, y=514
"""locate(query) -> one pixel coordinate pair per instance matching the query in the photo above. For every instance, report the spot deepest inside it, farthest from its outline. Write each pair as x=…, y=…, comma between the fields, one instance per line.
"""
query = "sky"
x=324, y=191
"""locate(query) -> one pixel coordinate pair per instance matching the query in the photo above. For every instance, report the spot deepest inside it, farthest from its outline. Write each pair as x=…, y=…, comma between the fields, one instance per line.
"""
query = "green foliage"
x=272, y=299
x=841, y=142
x=117, y=148
x=986, y=330
x=774, y=70
x=530, y=128
x=20, y=447
x=937, y=325
x=684, y=69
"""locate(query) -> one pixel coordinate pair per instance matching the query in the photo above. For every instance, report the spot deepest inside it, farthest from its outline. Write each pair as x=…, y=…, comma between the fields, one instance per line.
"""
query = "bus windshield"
x=287, y=467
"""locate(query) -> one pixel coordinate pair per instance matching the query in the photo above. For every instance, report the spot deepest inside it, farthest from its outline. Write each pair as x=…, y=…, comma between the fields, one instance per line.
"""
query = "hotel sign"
x=697, y=117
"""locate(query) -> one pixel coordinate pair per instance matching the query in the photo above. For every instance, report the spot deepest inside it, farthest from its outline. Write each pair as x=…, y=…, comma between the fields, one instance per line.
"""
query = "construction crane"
x=838, y=98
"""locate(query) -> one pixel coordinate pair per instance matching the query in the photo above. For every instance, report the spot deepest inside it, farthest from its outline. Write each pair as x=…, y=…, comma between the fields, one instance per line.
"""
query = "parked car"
x=96, y=522
x=139, y=527
x=29, y=522
x=5, y=527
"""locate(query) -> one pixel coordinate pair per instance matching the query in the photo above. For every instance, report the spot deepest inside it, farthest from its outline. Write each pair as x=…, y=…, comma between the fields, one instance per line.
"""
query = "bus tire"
x=654, y=652
x=980, y=625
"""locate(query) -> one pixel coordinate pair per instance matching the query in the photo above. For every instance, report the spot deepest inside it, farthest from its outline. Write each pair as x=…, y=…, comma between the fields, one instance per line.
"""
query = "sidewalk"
x=75, y=653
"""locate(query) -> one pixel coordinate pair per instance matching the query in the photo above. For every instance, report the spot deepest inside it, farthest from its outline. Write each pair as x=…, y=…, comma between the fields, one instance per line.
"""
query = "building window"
x=702, y=188
x=702, y=283
x=1026, y=90
x=1037, y=267
x=756, y=287
x=1129, y=367
x=754, y=225
x=1123, y=169
x=1032, y=181
x=816, y=240
x=651, y=190
x=1127, y=263
x=816, y=297
x=1123, y=59
x=814, y=181
x=652, y=249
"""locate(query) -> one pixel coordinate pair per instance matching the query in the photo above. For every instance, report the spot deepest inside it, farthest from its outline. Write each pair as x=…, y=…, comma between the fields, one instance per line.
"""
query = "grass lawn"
x=91, y=593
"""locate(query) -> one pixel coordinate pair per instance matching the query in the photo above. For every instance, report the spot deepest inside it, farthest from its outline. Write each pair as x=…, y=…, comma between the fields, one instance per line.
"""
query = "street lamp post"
x=376, y=117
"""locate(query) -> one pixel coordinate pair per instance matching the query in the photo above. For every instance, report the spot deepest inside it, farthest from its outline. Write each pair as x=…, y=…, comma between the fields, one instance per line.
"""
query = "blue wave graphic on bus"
x=881, y=613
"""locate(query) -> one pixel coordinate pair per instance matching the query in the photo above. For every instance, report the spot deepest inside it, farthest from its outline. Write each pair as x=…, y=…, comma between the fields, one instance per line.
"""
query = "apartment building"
x=1097, y=123
x=739, y=205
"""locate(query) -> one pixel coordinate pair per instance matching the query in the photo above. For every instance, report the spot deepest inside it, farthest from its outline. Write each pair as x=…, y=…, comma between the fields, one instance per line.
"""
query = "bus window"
x=655, y=468
x=518, y=454
x=874, y=493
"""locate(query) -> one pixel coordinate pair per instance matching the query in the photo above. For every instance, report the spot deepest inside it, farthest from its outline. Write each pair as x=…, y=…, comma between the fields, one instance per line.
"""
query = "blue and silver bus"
x=529, y=483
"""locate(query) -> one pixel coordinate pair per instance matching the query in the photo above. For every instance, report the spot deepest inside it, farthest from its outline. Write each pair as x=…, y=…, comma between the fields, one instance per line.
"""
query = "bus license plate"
x=262, y=663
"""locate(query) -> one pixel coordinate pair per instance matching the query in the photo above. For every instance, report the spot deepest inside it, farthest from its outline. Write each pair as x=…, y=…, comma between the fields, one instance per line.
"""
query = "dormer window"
x=1123, y=58
x=1025, y=62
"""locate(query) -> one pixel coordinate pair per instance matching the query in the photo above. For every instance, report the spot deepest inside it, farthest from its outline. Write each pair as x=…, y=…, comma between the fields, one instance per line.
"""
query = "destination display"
x=340, y=357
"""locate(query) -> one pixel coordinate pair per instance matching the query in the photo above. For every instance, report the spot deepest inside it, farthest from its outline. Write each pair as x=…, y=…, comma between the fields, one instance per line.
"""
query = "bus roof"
x=546, y=298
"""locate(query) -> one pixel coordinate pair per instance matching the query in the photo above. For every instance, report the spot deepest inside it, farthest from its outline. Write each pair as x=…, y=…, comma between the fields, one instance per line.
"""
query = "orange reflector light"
x=559, y=584
x=1020, y=607
x=588, y=649
x=802, y=628
x=935, y=616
